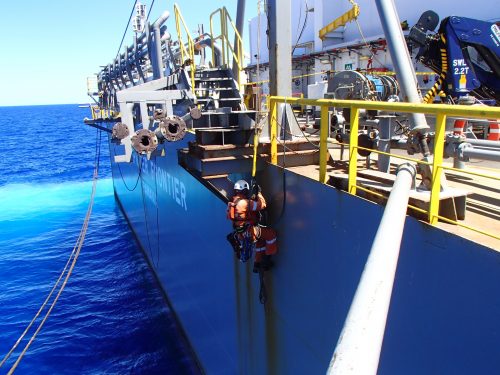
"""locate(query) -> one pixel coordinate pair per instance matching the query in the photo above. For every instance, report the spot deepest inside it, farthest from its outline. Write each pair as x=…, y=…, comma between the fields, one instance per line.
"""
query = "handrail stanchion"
x=360, y=342
x=227, y=49
x=190, y=51
x=273, y=131
x=436, y=167
x=323, y=146
x=353, y=150
x=441, y=112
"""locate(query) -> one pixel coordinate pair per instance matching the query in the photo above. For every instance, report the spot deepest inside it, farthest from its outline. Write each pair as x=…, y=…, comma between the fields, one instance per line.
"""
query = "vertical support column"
x=128, y=119
x=436, y=168
x=323, y=146
x=273, y=131
x=240, y=16
x=280, y=62
x=280, y=52
x=144, y=115
x=353, y=150
x=384, y=143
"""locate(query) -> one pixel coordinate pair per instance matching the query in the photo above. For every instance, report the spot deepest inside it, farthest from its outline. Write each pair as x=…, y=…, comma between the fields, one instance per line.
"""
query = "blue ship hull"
x=444, y=313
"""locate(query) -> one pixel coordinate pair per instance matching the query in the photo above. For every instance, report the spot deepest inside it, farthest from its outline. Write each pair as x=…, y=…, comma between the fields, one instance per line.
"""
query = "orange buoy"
x=458, y=127
x=494, y=130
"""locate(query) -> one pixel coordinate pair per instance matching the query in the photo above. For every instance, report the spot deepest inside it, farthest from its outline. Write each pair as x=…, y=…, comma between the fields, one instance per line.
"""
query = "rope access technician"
x=243, y=211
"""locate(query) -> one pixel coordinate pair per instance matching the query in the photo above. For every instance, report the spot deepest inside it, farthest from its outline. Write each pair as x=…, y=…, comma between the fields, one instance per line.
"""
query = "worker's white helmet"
x=241, y=185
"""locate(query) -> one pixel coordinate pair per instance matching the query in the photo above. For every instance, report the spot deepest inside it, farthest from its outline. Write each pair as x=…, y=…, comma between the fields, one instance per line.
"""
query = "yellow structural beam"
x=179, y=21
x=348, y=16
x=273, y=131
x=353, y=152
x=437, y=172
x=323, y=146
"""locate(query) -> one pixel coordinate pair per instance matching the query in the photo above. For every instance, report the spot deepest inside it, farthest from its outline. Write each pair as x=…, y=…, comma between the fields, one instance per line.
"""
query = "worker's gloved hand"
x=255, y=190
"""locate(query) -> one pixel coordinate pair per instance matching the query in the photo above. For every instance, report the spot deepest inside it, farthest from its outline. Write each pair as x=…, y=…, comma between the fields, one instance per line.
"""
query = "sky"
x=49, y=48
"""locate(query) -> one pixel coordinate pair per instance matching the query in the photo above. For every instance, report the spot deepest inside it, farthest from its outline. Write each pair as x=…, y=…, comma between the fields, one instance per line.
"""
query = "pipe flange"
x=120, y=131
x=195, y=113
x=144, y=141
x=171, y=129
x=461, y=151
x=158, y=114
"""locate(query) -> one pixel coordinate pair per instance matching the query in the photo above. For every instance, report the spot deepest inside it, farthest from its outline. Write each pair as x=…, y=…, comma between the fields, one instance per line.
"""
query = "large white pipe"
x=159, y=70
x=360, y=342
x=401, y=59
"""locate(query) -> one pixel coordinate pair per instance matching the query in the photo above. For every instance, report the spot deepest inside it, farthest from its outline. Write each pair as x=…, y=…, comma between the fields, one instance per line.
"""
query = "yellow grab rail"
x=179, y=20
x=227, y=48
x=442, y=111
x=99, y=113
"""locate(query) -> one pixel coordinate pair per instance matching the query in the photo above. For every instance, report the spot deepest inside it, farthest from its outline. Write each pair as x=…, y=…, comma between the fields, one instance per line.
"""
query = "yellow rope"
x=255, y=147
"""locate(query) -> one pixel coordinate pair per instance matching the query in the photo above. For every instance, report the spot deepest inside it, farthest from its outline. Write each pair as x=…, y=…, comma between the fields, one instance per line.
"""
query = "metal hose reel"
x=353, y=85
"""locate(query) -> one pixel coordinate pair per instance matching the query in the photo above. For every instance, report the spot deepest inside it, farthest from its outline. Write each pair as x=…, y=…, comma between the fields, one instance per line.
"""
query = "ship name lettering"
x=171, y=185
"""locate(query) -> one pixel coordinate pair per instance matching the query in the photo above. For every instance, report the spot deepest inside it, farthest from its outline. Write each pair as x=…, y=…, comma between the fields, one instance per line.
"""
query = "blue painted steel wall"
x=192, y=260
x=445, y=308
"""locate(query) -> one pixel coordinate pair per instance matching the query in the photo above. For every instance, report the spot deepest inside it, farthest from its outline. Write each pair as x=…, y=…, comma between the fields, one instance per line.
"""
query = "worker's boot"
x=264, y=264
x=267, y=263
x=256, y=267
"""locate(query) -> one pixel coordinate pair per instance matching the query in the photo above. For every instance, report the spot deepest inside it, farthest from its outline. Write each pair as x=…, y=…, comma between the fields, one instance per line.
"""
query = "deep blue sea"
x=112, y=317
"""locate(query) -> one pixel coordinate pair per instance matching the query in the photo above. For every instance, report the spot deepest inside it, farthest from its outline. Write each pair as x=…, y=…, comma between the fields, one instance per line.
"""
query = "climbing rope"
x=255, y=147
x=126, y=28
x=262, y=288
x=71, y=263
x=139, y=172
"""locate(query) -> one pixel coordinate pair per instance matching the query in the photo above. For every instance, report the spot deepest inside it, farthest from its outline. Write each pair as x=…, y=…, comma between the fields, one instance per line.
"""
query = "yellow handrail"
x=227, y=48
x=179, y=20
x=441, y=111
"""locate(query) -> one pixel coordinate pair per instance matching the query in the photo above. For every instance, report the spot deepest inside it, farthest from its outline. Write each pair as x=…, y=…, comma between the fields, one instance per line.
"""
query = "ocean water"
x=112, y=317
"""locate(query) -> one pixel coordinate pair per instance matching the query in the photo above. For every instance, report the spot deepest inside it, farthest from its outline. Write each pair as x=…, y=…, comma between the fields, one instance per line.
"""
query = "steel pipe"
x=402, y=61
x=360, y=342
x=483, y=143
x=465, y=151
x=384, y=143
x=158, y=70
x=207, y=42
x=240, y=16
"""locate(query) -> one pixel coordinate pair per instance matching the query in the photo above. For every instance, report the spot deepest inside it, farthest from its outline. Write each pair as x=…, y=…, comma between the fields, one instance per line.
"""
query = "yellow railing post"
x=226, y=48
x=323, y=146
x=273, y=131
x=436, y=168
x=190, y=51
x=220, y=36
x=353, y=150
x=178, y=29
